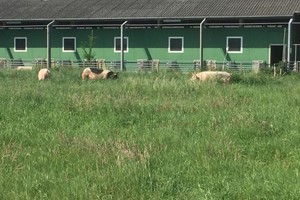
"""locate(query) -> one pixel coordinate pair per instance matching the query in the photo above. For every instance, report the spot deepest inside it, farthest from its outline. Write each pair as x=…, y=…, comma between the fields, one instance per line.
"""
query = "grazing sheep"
x=212, y=75
x=94, y=73
x=24, y=68
x=43, y=73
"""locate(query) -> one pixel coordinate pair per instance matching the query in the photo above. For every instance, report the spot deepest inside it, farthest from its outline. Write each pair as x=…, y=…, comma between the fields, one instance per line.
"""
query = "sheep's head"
x=194, y=76
x=112, y=75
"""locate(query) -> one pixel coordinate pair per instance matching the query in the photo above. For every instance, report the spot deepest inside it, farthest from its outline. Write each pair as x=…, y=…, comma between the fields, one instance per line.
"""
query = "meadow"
x=148, y=136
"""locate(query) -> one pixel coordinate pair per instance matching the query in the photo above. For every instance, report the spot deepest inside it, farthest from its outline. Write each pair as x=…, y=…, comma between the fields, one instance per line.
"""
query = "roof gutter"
x=153, y=18
x=179, y=18
x=120, y=20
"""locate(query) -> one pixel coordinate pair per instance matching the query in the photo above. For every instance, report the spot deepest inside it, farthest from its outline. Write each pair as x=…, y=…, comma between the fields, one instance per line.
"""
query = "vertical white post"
x=122, y=46
x=49, y=45
x=289, y=41
x=295, y=59
x=201, y=43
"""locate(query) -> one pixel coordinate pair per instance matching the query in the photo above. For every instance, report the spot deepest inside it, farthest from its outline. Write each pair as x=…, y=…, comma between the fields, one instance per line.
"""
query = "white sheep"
x=43, y=74
x=20, y=68
x=212, y=76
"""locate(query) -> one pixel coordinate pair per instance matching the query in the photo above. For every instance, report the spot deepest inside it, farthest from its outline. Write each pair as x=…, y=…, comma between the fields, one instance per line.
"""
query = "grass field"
x=148, y=136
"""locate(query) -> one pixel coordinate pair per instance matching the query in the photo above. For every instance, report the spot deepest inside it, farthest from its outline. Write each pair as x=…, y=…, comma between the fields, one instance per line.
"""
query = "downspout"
x=49, y=45
x=201, y=43
x=289, y=41
x=122, y=46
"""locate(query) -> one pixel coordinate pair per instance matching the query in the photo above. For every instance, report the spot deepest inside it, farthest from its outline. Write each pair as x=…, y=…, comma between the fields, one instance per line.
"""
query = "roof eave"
x=154, y=18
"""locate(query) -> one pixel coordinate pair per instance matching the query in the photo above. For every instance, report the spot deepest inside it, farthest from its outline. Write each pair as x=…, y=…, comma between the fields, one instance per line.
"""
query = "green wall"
x=256, y=43
x=146, y=43
x=143, y=43
x=36, y=43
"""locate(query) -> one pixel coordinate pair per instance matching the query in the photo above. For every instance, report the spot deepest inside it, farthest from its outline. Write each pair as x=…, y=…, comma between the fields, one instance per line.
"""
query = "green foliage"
x=87, y=47
x=250, y=78
x=148, y=136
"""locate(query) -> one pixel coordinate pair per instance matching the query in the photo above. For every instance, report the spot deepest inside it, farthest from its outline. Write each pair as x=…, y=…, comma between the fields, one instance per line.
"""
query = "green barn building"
x=184, y=33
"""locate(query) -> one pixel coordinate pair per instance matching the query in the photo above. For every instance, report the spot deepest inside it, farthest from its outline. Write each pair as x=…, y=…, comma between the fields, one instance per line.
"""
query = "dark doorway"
x=276, y=54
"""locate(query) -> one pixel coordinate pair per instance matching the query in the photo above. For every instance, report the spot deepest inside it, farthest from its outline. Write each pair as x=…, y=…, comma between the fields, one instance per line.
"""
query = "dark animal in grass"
x=94, y=73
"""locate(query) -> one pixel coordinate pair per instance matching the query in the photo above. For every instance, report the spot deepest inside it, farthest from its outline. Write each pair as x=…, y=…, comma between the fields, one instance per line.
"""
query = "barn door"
x=276, y=53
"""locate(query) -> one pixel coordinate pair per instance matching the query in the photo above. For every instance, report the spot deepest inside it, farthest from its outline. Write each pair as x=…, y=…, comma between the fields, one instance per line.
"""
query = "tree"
x=87, y=47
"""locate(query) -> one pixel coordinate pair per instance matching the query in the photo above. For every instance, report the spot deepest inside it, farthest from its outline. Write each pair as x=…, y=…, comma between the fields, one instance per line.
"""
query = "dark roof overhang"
x=151, y=21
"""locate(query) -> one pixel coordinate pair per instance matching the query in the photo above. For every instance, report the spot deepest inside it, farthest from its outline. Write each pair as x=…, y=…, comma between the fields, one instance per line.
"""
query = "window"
x=117, y=45
x=69, y=44
x=20, y=44
x=234, y=45
x=175, y=45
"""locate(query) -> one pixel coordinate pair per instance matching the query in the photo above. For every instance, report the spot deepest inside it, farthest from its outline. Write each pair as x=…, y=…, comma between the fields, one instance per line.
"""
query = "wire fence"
x=143, y=65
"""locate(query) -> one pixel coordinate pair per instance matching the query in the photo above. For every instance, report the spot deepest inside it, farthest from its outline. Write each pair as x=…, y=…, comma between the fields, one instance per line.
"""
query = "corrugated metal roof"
x=144, y=9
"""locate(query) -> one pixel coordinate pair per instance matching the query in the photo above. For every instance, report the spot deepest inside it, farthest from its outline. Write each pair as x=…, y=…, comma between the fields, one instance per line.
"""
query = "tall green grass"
x=148, y=136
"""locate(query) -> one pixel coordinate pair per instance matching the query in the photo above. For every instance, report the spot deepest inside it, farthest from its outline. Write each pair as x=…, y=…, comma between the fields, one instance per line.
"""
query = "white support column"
x=289, y=41
x=49, y=44
x=122, y=46
x=201, y=43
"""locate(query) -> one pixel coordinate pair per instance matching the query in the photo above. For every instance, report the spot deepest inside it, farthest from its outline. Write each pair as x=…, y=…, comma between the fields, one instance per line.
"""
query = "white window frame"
x=234, y=37
x=182, y=45
x=115, y=44
x=15, y=43
x=63, y=44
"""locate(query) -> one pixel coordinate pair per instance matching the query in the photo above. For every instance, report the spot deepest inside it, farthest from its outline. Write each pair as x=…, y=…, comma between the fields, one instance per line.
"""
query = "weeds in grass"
x=148, y=136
